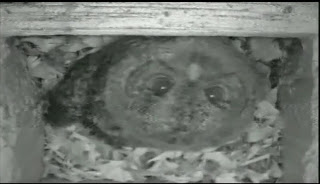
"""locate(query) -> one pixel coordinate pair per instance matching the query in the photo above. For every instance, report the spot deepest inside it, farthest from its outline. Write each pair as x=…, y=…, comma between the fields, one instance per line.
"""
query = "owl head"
x=178, y=93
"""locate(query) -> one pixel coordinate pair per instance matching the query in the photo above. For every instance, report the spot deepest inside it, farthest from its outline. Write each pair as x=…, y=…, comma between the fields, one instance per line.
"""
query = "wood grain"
x=160, y=18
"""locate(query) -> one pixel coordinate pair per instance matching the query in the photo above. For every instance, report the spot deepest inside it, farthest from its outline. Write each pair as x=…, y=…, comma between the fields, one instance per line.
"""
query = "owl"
x=183, y=93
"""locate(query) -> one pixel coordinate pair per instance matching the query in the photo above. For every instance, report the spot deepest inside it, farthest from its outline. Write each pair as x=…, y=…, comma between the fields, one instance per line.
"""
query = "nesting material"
x=255, y=157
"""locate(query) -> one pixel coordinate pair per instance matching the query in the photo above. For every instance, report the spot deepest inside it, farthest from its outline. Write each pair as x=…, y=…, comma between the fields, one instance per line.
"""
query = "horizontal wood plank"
x=160, y=18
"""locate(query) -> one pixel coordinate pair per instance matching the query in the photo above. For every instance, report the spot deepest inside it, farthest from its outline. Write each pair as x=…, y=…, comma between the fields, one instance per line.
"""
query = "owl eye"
x=160, y=85
x=216, y=96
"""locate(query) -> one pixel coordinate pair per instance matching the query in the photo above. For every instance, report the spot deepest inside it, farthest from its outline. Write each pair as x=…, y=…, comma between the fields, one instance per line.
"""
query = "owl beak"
x=194, y=72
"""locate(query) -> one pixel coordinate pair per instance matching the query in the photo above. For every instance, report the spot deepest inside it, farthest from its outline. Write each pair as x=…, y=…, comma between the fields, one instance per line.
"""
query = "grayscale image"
x=178, y=108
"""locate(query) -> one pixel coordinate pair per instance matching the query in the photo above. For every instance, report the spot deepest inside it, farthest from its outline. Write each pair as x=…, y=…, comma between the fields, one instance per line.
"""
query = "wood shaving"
x=127, y=165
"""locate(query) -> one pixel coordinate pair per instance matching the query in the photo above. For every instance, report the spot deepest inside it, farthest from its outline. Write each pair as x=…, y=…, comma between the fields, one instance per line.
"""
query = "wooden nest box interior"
x=21, y=124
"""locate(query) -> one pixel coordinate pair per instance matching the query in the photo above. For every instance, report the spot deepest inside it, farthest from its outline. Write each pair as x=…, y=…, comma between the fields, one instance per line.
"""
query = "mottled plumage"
x=164, y=92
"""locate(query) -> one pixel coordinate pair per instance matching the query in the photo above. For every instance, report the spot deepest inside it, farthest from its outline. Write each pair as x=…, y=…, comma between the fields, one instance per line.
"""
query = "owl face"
x=180, y=93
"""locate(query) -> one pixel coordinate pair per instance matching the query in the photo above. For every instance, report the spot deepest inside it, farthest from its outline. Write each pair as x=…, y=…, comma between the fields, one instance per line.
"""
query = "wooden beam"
x=21, y=125
x=296, y=110
x=160, y=18
x=311, y=159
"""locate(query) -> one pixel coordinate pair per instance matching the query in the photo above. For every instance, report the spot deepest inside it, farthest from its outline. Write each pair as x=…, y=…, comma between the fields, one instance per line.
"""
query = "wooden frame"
x=292, y=19
x=160, y=18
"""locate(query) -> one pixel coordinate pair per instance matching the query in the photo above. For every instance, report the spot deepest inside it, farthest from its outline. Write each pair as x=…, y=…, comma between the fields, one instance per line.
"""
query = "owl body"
x=169, y=93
